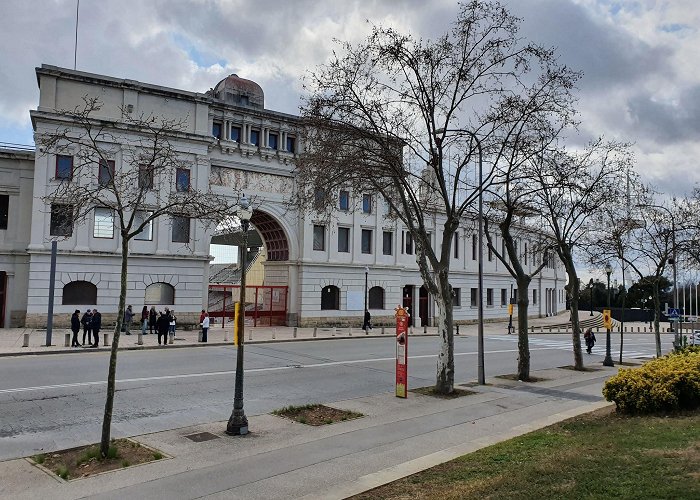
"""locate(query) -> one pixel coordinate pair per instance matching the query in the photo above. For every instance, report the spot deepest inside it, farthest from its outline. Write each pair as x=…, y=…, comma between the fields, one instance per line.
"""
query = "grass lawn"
x=600, y=455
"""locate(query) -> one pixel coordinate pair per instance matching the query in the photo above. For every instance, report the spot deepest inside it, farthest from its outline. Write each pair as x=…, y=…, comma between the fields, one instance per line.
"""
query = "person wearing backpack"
x=589, y=337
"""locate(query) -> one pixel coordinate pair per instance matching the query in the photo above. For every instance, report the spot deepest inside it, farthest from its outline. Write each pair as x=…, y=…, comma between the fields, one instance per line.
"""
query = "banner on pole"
x=401, y=352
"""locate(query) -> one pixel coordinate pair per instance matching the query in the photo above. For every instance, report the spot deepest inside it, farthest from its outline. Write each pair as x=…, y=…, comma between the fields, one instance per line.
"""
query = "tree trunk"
x=523, y=340
x=445, y=363
x=111, y=376
x=624, y=303
x=657, y=329
x=573, y=291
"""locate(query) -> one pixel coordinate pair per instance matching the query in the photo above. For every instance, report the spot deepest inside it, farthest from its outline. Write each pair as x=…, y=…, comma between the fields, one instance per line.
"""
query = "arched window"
x=376, y=298
x=160, y=293
x=78, y=293
x=330, y=298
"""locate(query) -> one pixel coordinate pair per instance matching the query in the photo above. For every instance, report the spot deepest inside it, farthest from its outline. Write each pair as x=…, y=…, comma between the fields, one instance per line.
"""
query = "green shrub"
x=669, y=383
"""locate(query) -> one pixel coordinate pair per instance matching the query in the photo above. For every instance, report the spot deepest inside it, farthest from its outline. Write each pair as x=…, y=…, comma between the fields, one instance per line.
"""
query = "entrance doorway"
x=408, y=302
x=423, y=297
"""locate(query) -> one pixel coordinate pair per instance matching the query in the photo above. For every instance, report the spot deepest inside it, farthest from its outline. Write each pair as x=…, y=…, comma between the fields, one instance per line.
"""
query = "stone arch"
x=273, y=235
x=79, y=292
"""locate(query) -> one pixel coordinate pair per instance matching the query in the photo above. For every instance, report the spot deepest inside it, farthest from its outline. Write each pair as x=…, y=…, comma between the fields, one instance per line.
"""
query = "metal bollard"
x=106, y=339
x=139, y=341
x=294, y=332
x=26, y=340
x=66, y=342
x=532, y=329
x=457, y=333
x=314, y=331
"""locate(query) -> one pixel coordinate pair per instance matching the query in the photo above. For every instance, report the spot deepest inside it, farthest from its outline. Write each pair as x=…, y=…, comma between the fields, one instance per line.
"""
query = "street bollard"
x=294, y=333
x=106, y=339
x=350, y=332
x=140, y=339
x=532, y=329
x=250, y=334
x=457, y=332
x=66, y=342
x=273, y=333
x=171, y=338
x=367, y=331
x=333, y=332
x=199, y=336
x=382, y=330
x=314, y=331
x=26, y=340
x=225, y=335
x=425, y=329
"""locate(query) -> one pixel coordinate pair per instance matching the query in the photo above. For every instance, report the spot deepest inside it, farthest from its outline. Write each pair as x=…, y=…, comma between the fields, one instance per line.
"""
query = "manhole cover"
x=202, y=436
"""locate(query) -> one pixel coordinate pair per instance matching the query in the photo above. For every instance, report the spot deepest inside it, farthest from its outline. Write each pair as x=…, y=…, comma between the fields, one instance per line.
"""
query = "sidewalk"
x=284, y=459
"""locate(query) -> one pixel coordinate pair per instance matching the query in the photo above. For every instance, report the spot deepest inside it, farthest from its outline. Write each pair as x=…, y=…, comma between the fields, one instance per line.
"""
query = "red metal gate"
x=265, y=305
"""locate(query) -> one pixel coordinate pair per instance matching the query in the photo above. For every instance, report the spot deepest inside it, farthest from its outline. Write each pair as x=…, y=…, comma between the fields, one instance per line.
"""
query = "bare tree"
x=143, y=188
x=572, y=188
x=383, y=118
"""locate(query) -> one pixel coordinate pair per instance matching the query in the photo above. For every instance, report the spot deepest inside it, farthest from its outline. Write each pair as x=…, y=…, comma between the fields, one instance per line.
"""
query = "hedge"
x=669, y=383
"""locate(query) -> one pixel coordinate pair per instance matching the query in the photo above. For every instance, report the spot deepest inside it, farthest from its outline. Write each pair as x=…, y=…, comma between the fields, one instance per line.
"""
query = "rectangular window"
x=182, y=180
x=255, y=137
x=181, y=229
x=344, y=200
x=489, y=297
x=387, y=243
x=61, y=220
x=474, y=296
x=145, y=177
x=343, y=239
x=236, y=134
x=367, y=203
x=474, y=247
x=216, y=130
x=456, y=237
x=4, y=210
x=319, y=237
x=272, y=141
x=525, y=254
x=366, y=241
x=103, y=223
x=147, y=233
x=534, y=297
x=457, y=297
x=64, y=167
x=291, y=144
x=409, y=243
x=504, y=297
x=105, y=175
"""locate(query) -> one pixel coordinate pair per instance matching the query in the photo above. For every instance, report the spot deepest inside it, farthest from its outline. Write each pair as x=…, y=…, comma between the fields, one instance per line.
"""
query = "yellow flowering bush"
x=669, y=383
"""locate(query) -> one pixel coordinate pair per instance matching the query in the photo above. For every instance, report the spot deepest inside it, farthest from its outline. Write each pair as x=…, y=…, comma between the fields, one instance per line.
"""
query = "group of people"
x=91, y=322
x=162, y=321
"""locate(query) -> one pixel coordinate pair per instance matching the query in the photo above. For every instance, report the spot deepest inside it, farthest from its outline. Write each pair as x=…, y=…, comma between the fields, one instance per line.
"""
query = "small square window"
x=216, y=130
x=103, y=223
x=474, y=297
x=504, y=297
x=367, y=203
x=489, y=297
x=4, y=210
x=344, y=200
x=147, y=233
x=145, y=177
x=61, y=220
x=319, y=237
x=367, y=241
x=181, y=229
x=182, y=180
x=272, y=141
x=236, y=134
x=291, y=144
x=387, y=243
x=343, y=239
x=534, y=297
x=106, y=172
x=255, y=137
x=409, y=243
x=64, y=167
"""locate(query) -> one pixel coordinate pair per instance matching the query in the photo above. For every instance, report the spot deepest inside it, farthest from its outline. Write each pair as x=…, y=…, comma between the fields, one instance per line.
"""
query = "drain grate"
x=202, y=436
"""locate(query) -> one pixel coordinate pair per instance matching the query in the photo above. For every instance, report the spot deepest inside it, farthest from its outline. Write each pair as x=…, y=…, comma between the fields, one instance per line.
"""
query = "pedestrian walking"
x=205, y=326
x=152, y=318
x=86, y=321
x=75, y=327
x=367, y=324
x=144, y=320
x=589, y=337
x=96, y=324
x=171, y=329
x=162, y=325
x=128, y=318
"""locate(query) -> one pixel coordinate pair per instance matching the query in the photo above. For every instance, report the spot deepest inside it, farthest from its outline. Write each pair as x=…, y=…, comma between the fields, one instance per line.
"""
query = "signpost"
x=607, y=319
x=401, y=352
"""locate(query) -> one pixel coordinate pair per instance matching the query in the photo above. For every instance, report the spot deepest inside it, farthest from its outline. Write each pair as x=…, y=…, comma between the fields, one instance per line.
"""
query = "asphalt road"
x=53, y=402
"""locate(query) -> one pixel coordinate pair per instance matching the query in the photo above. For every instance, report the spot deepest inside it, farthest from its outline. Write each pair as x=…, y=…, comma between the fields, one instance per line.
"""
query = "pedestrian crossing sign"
x=607, y=320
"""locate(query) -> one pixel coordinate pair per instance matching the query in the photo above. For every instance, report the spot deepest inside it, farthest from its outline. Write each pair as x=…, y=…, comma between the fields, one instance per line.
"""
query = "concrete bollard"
x=294, y=332
x=382, y=330
x=106, y=339
x=425, y=329
x=273, y=333
x=550, y=329
x=66, y=341
x=225, y=335
x=199, y=336
x=541, y=329
x=350, y=332
x=532, y=329
x=139, y=341
x=26, y=340
x=333, y=332
x=314, y=331
x=171, y=338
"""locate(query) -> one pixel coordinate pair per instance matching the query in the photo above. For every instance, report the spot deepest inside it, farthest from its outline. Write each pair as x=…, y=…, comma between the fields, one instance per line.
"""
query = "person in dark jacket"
x=86, y=321
x=162, y=325
x=144, y=319
x=96, y=324
x=75, y=327
x=152, y=319
x=128, y=318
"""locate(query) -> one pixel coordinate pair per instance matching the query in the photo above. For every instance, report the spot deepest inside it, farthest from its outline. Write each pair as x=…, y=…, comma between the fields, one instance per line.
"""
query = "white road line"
x=231, y=372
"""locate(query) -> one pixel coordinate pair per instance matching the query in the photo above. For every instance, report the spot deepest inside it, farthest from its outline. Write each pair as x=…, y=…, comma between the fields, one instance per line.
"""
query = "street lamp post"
x=590, y=285
x=608, y=358
x=365, y=323
x=238, y=422
x=480, y=315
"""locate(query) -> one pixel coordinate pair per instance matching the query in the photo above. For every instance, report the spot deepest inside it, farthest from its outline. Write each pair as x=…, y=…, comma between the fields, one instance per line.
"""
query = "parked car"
x=694, y=338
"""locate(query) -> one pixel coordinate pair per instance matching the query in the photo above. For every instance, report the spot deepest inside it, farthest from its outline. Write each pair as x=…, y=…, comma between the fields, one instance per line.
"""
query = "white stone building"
x=232, y=142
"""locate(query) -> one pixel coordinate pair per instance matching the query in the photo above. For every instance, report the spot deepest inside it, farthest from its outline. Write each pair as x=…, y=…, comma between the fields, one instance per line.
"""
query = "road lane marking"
x=247, y=370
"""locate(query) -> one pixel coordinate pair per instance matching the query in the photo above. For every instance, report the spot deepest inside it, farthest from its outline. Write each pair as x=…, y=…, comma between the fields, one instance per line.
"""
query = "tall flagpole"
x=75, y=50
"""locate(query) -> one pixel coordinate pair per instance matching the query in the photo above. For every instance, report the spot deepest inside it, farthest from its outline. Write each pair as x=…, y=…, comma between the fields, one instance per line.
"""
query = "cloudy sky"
x=639, y=57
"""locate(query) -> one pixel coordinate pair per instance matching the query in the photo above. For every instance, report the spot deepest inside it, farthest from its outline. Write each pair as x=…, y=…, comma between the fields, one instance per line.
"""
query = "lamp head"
x=244, y=211
x=608, y=269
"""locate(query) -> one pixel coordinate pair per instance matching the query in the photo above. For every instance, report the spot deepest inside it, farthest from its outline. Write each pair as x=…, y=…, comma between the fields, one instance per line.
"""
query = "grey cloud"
x=667, y=122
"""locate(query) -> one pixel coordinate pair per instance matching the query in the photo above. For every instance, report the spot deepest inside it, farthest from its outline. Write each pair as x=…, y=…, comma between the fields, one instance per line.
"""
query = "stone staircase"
x=585, y=321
